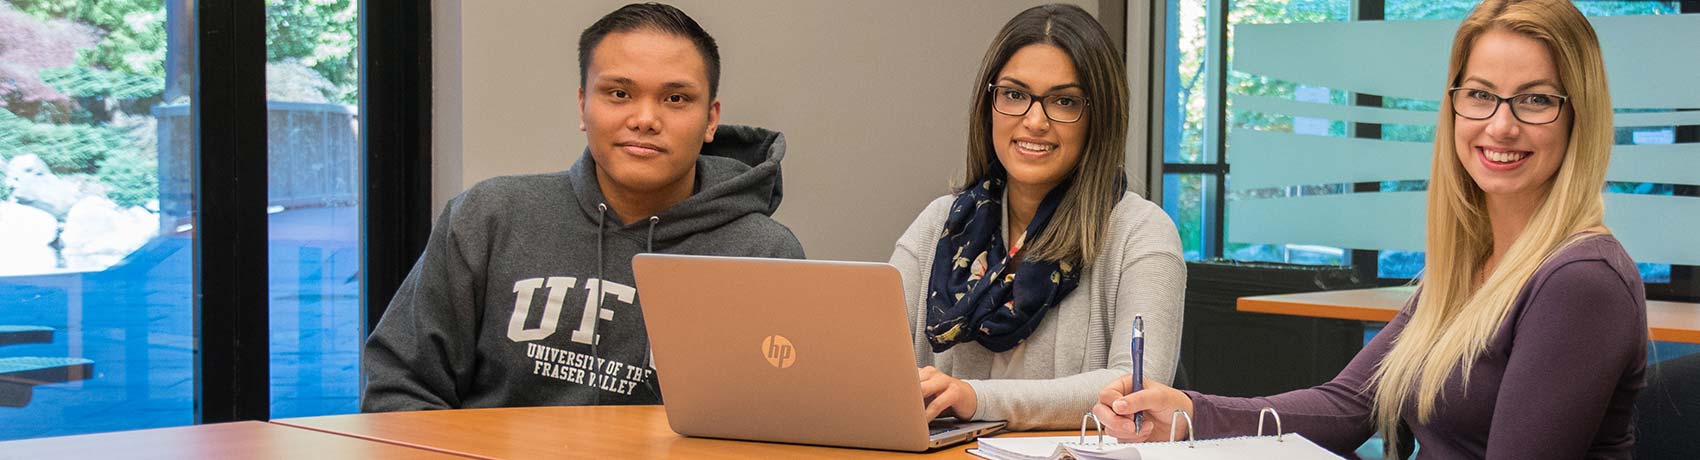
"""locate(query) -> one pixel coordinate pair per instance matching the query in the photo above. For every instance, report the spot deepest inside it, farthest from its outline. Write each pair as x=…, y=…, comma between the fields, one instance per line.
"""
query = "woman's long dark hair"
x=1081, y=221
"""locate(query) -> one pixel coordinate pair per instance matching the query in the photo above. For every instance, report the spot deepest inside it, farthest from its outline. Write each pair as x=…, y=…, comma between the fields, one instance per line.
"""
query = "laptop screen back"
x=809, y=352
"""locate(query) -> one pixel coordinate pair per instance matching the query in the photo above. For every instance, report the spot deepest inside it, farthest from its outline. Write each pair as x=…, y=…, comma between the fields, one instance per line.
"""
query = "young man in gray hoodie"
x=525, y=296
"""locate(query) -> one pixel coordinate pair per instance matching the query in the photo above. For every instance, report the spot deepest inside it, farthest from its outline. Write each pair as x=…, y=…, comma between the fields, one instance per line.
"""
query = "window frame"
x=1684, y=284
x=232, y=292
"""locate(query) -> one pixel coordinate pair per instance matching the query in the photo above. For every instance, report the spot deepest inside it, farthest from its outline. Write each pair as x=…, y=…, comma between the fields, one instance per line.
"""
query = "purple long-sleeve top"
x=1558, y=380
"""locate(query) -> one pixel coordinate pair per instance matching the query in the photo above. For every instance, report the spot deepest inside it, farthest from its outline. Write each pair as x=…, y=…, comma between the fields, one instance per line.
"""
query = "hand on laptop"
x=1116, y=408
x=947, y=396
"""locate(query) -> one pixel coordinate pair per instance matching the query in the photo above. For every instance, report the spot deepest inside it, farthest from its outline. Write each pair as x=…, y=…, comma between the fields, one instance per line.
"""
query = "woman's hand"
x=945, y=395
x=1157, y=402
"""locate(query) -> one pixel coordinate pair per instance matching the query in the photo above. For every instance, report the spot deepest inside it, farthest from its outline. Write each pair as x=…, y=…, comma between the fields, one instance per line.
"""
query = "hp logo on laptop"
x=778, y=351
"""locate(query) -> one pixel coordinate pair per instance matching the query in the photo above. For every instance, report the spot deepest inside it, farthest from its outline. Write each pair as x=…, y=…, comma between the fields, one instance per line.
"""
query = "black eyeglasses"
x=1531, y=108
x=1060, y=108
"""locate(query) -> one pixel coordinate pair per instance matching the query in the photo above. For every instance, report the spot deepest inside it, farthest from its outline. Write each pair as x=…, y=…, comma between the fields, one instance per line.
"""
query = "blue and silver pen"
x=1138, y=362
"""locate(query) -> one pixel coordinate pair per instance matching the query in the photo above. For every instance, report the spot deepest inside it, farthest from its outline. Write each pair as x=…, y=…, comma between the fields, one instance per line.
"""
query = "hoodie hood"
x=737, y=174
x=523, y=300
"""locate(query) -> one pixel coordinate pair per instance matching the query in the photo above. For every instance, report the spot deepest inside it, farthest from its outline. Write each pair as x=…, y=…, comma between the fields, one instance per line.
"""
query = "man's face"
x=646, y=111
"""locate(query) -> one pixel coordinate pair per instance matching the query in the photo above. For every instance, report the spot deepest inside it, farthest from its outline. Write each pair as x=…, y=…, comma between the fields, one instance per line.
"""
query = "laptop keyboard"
x=934, y=430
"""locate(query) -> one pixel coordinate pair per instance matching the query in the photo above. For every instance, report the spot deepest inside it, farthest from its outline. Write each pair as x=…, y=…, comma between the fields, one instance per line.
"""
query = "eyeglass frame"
x=1036, y=99
x=1562, y=100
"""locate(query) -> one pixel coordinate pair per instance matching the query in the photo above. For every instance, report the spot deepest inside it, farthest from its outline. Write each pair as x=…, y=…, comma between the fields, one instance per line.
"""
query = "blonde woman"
x=1022, y=286
x=1528, y=336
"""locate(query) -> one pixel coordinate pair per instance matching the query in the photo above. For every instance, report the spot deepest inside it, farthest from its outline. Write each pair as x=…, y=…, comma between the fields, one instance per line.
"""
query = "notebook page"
x=1290, y=447
x=1024, y=447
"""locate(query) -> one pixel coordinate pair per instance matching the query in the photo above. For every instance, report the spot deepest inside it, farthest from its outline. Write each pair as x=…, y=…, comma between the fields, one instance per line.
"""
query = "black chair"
x=1667, y=412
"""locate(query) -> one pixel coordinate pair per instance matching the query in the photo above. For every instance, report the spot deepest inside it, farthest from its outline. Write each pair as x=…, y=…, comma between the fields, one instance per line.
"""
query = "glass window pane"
x=1254, y=88
x=312, y=92
x=1650, y=272
x=96, y=234
x=1457, y=9
x=1184, y=84
x=1399, y=264
x=1284, y=252
x=1187, y=198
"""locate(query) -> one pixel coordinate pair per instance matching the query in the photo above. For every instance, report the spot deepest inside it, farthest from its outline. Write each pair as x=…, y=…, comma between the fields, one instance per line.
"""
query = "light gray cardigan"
x=1054, y=377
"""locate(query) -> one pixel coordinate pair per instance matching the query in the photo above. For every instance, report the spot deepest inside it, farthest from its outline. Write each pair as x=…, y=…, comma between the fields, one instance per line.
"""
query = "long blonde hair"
x=1452, y=324
x=1078, y=228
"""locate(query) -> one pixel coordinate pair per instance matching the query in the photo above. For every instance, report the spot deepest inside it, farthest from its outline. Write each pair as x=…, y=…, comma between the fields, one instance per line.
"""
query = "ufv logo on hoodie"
x=594, y=371
x=558, y=286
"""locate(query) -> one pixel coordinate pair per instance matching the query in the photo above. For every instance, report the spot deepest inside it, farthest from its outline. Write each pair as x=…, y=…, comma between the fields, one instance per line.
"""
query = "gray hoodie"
x=502, y=307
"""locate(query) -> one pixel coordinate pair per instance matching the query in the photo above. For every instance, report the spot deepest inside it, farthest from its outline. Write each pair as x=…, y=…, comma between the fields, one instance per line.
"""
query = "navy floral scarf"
x=970, y=297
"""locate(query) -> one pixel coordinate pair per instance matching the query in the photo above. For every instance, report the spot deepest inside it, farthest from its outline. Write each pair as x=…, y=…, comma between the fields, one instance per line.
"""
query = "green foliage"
x=5, y=190
x=110, y=153
x=123, y=73
x=1288, y=11
x=1457, y=9
x=66, y=148
x=133, y=31
x=87, y=82
x=1625, y=8
x=12, y=129
x=1428, y=9
x=321, y=34
x=1189, y=218
x=124, y=67
x=134, y=178
x=1277, y=12
x=1408, y=133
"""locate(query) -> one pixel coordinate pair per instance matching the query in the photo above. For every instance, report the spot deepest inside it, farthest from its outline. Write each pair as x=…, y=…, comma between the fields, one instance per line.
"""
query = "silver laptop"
x=795, y=351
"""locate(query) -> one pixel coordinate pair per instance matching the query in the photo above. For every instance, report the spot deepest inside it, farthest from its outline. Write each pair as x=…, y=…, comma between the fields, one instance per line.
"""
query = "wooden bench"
x=18, y=335
x=19, y=376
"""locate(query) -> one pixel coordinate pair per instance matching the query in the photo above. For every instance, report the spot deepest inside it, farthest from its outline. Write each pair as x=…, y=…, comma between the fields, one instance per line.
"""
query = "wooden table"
x=1666, y=321
x=573, y=432
x=250, y=440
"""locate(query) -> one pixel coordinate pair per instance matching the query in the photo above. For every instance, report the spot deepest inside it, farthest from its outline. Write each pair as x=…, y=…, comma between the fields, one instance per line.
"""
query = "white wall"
x=872, y=97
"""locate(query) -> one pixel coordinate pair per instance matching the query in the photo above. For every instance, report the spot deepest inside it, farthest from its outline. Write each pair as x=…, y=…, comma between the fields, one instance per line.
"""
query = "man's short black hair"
x=656, y=17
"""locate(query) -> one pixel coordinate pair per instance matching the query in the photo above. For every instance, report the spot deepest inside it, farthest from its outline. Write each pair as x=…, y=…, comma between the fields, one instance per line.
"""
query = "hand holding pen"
x=1138, y=360
x=1123, y=404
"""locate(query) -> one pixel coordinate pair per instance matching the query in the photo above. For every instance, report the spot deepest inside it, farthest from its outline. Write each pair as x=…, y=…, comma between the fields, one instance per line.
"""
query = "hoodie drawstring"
x=601, y=219
x=649, y=352
x=653, y=221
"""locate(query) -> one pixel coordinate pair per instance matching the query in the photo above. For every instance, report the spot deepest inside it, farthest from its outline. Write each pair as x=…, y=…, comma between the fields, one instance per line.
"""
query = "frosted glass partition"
x=1653, y=63
x=1407, y=59
x=1265, y=159
x=1652, y=227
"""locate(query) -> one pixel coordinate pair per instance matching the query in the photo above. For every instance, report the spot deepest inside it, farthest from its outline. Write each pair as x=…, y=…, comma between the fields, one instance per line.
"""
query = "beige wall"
x=871, y=95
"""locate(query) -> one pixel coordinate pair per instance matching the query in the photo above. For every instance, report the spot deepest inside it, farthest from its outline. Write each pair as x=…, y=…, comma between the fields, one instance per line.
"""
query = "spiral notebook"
x=1279, y=446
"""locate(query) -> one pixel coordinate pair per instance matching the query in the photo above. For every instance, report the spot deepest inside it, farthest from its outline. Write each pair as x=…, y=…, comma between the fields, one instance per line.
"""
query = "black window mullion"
x=1217, y=169
x=395, y=109
x=231, y=301
x=1366, y=262
x=1214, y=245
